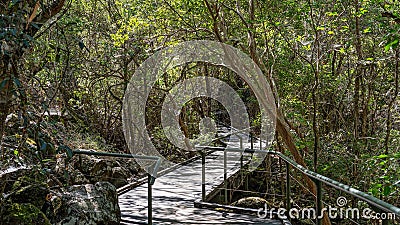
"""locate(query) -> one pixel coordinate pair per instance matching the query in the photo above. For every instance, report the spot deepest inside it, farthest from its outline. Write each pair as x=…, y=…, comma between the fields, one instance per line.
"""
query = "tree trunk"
x=393, y=98
x=3, y=115
x=357, y=83
x=5, y=89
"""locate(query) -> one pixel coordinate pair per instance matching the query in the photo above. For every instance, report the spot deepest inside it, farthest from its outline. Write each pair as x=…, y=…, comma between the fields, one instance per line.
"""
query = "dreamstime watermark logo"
x=339, y=212
x=216, y=53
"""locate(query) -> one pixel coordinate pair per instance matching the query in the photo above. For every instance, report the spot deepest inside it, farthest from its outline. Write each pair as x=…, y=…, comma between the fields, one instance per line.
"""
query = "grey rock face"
x=89, y=204
x=111, y=171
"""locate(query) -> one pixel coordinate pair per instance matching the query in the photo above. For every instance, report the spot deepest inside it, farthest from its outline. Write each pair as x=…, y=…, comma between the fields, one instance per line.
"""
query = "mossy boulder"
x=23, y=214
x=34, y=194
x=10, y=176
x=33, y=176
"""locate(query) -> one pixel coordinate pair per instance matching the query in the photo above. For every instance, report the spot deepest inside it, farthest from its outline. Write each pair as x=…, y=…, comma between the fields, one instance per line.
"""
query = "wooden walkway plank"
x=174, y=195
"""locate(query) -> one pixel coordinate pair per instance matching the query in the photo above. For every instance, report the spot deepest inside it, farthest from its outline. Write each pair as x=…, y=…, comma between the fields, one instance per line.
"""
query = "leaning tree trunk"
x=6, y=85
x=281, y=125
x=20, y=21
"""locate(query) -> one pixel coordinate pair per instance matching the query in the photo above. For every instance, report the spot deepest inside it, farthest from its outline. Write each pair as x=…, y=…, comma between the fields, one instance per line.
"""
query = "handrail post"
x=241, y=157
x=319, y=202
x=287, y=187
x=225, y=182
x=203, y=176
x=251, y=141
x=80, y=161
x=150, y=199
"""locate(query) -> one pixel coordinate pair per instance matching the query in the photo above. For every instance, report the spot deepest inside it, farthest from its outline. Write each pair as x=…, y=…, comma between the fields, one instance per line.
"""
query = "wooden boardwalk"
x=174, y=195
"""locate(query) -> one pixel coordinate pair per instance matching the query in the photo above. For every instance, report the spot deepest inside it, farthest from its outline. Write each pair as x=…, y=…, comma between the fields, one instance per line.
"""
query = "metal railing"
x=204, y=150
x=318, y=179
x=150, y=178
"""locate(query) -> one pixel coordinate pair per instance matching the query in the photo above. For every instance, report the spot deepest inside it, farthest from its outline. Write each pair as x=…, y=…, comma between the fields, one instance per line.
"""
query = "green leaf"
x=367, y=30
x=17, y=82
x=69, y=152
x=3, y=83
x=384, y=177
x=43, y=146
x=374, y=191
x=392, y=44
x=383, y=156
x=386, y=190
x=13, y=2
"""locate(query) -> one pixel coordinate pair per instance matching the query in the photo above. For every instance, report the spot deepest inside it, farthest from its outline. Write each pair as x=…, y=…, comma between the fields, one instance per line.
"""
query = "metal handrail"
x=151, y=178
x=236, y=133
x=251, y=136
x=317, y=178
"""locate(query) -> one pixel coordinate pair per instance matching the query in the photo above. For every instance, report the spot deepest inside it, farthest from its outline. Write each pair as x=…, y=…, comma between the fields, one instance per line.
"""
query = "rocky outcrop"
x=111, y=171
x=27, y=199
x=91, y=169
x=24, y=191
x=87, y=204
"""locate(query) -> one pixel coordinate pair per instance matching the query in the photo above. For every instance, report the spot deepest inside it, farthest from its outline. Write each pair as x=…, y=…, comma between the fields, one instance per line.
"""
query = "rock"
x=34, y=194
x=13, y=122
x=251, y=202
x=102, y=169
x=119, y=176
x=9, y=177
x=85, y=163
x=24, y=185
x=56, y=203
x=111, y=171
x=131, y=165
x=30, y=187
x=24, y=194
x=78, y=178
x=90, y=169
x=23, y=214
x=89, y=204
